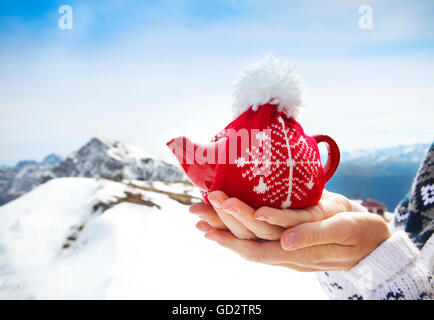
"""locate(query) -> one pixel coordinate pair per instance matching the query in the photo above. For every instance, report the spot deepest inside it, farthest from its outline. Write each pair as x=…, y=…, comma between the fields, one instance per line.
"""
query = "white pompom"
x=270, y=81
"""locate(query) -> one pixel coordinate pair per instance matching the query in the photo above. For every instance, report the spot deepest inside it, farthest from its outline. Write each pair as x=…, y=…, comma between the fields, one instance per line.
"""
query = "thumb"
x=308, y=234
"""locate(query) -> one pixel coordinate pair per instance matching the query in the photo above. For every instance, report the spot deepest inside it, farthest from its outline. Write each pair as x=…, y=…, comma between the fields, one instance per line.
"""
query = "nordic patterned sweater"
x=402, y=266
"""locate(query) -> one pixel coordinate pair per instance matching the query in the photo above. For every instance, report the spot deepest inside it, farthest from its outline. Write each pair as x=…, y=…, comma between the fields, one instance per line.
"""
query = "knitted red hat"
x=263, y=157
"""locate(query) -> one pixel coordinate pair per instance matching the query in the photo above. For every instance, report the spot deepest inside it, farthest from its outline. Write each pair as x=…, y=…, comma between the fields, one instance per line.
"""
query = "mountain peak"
x=102, y=157
x=100, y=141
x=52, y=159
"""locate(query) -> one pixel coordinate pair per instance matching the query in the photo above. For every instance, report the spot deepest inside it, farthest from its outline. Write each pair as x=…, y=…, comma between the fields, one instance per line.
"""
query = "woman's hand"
x=236, y=216
x=266, y=223
x=336, y=243
x=326, y=236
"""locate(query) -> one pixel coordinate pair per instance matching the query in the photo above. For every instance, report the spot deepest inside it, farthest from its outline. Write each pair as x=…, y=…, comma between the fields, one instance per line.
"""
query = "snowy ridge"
x=56, y=242
x=98, y=158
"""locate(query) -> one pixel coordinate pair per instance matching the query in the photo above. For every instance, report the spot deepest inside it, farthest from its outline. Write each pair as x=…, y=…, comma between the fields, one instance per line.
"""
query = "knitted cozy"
x=264, y=157
x=282, y=169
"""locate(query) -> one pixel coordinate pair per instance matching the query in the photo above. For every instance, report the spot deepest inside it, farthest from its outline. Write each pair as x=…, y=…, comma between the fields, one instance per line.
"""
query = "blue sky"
x=144, y=71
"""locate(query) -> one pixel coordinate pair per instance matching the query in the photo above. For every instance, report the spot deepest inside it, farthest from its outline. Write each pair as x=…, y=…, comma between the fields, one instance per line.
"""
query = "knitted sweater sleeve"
x=394, y=270
x=402, y=266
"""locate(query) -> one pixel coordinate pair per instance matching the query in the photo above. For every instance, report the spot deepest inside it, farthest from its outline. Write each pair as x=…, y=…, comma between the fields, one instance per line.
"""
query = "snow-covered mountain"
x=384, y=161
x=52, y=159
x=113, y=159
x=22, y=178
x=383, y=174
x=86, y=238
x=118, y=237
x=98, y=158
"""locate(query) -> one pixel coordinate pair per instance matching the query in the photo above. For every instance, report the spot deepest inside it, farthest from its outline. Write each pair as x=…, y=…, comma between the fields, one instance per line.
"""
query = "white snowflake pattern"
x=240, y=162
x=310, y=184
x=261, y=136
x=427, y=193
x=275, y=162
x=261, y=187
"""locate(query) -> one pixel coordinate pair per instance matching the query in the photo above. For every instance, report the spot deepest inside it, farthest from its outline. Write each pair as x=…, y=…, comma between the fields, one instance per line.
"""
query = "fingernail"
x=261, y=218
x=291, y=240
x=231, y=211
x=216, y=203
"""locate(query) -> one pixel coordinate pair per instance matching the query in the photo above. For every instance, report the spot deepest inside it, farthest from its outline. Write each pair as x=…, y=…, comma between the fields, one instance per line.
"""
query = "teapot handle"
x=333, y=157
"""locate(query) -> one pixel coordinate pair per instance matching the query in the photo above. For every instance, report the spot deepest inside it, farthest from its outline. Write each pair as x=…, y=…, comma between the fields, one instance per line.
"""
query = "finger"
x=214, y=220
x=216, y=198
x=268, y=252
x=232, y=243
x=204, y=226
x=329, y=231
x=322, y=257
x=201, y=208
x=245, y=214
x=283, y=217
x=287, y=218
x=326, y=194
x=317, y=258
x=207, y=213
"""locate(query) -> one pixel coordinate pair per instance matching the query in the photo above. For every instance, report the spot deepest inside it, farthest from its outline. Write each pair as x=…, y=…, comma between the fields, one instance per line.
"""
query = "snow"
x=128, y=252
x=176, y=187
x=125, y=152
x=408, y=150
x=396, y=154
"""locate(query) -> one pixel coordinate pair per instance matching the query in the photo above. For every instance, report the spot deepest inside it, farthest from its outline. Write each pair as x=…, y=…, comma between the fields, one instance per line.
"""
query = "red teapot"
x=263, y=157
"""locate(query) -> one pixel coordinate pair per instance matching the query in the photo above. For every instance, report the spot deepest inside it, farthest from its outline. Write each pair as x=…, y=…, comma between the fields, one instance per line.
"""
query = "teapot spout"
x=199, y=162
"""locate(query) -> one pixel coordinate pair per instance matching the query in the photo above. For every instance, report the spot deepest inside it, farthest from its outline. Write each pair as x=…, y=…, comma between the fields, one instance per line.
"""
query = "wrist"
x=389, y=258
